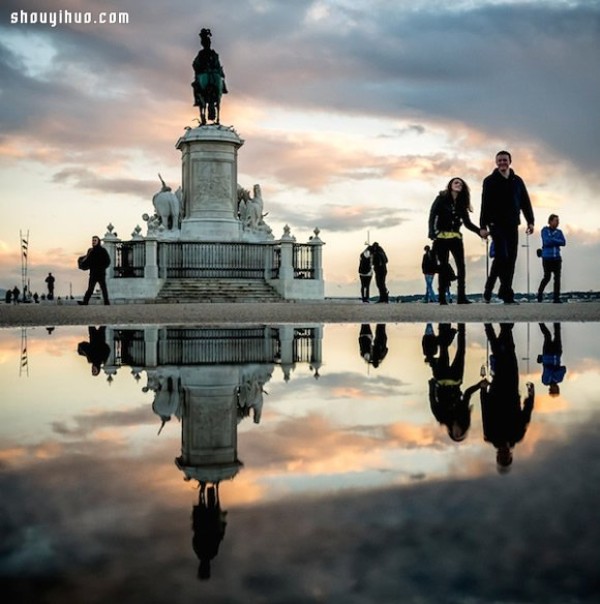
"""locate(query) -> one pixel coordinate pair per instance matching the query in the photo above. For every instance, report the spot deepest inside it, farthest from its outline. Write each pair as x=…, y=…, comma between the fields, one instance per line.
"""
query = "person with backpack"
x=365, y=273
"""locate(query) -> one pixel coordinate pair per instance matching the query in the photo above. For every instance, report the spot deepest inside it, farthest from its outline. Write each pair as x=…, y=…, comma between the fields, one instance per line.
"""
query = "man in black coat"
x=380, y=261
x=97, y=261
x=504, y=197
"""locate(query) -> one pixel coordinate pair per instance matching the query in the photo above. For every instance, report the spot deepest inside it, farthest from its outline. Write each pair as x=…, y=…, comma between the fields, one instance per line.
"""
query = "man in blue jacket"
x=503, y=198
x=552, y=240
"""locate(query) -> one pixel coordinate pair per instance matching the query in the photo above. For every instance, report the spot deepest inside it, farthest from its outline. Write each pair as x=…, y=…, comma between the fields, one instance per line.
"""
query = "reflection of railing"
x=237, y=260
x=209, y=346
x=218, y=260
x=303, y=344
x=129, y=347
x=304, y=264
x=194, y=346
x=130, y=259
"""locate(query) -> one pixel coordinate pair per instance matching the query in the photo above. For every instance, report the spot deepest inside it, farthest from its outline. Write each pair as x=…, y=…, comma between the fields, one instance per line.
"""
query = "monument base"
x=209, y=166
x=215, y=229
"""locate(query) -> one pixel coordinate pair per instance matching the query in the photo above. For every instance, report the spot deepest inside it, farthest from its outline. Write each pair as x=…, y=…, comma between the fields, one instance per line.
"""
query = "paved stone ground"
x=327, y=311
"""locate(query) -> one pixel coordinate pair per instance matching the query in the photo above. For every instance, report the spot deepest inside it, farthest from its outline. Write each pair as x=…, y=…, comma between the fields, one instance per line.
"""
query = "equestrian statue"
x=209, y=80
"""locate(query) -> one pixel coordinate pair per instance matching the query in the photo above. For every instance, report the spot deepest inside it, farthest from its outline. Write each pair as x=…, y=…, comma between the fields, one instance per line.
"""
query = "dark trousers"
x=442, y=249
x=96, y=279
x=506, y=246
x=365, y=283
x=380, y=276
x=552, y=266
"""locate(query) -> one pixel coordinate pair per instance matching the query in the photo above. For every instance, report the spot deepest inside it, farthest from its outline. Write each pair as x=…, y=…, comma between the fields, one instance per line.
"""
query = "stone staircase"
x=176, y=291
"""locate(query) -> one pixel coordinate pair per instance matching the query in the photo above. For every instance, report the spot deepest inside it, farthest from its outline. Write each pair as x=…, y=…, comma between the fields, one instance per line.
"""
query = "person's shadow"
x=96, y=350
x=553, y=372
x=505, y=419
x=450, y=406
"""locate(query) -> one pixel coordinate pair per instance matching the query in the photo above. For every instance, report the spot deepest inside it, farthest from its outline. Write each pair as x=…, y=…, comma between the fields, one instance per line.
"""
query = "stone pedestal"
x=209, y=180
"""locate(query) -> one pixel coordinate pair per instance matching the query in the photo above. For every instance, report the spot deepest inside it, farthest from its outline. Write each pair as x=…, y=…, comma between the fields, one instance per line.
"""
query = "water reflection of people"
x=449, y=405
x=208, y=523
x=429, y=343
x=505, y=419
x=373, y=349
x=96, y=351
x=553, y=372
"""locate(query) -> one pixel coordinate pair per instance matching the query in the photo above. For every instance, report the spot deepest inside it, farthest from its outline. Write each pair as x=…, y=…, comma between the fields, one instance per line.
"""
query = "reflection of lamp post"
x=528, y=343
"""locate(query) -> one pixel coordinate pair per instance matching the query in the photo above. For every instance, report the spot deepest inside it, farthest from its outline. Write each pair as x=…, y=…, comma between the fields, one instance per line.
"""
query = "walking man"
x=97, y=261
x=504, y=197
x=552, y=240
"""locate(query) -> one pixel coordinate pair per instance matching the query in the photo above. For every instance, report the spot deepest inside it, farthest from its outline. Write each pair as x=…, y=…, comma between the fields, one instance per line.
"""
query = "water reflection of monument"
x=211, y=379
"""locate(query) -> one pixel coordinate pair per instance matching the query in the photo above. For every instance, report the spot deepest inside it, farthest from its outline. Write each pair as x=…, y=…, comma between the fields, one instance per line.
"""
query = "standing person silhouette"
x=504, y=197
x=50, y=283
x=449, y=211
x=365, y=274
x=380, y=261
x=429, y=267
x=552, y=240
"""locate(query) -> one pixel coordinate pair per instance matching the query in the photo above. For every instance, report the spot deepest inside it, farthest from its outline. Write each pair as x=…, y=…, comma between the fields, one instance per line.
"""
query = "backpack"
x=364, y=264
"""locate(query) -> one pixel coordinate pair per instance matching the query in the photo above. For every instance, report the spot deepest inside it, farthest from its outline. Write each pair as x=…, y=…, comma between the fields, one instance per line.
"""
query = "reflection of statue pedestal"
x=209, y=423
x=209, y=164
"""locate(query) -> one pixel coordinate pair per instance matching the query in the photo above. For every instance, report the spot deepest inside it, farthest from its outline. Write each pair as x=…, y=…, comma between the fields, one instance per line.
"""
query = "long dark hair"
x=464, y=197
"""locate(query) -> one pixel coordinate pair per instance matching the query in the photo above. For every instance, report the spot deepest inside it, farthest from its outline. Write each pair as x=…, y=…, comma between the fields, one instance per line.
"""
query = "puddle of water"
x=311, y=462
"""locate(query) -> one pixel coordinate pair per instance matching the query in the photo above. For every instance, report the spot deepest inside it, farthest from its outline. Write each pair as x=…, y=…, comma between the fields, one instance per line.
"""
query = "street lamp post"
x=526, y=245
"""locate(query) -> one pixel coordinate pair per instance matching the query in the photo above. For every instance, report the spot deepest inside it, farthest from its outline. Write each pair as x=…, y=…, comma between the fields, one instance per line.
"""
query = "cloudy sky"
x=354, y=115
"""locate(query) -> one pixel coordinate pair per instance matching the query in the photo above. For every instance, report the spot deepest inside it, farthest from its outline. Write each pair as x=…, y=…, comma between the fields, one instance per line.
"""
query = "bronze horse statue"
x=209, y=80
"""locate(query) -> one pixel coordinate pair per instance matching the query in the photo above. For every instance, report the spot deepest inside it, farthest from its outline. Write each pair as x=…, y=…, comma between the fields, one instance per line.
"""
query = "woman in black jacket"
x=449, y=212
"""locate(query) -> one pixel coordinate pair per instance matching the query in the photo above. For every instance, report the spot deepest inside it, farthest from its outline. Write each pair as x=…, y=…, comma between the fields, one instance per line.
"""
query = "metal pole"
x=487, y=258
x=527, y=246
x=528, y=274
x=24, y=245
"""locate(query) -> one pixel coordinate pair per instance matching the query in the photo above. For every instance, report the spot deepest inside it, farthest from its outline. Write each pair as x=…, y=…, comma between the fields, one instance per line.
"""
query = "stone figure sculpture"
x=209, y=80
x=250, y=211
x=168, y=206
x=250, y=393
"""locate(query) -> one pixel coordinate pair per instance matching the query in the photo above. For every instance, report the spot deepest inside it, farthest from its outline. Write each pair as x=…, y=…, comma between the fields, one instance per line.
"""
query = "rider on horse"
x=209, y=81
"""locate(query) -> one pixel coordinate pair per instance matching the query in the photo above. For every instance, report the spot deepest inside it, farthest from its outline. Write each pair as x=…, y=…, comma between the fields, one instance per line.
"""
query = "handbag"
x=83, y=263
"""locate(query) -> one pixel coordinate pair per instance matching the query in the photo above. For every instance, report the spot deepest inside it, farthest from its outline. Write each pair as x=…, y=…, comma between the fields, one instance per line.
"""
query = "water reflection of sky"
x=87, y=483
